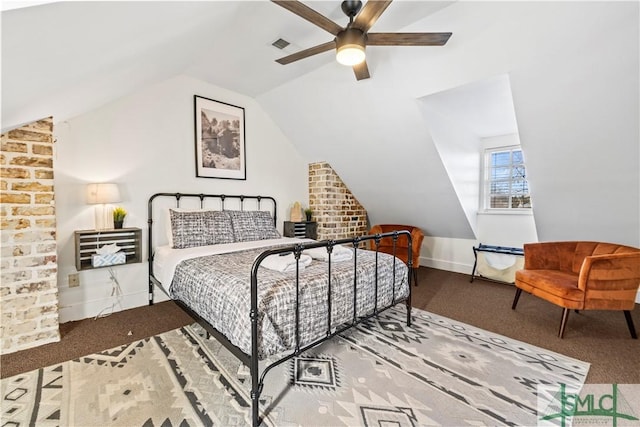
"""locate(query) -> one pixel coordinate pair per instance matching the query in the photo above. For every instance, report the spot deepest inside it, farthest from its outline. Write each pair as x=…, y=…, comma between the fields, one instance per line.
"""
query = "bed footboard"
x=258, y=377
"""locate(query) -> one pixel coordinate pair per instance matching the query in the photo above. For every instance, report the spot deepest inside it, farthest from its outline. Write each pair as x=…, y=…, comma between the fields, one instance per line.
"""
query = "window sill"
x=527, y=212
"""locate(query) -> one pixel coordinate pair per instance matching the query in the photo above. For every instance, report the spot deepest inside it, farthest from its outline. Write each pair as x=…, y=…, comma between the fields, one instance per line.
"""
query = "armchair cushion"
x=555, y=286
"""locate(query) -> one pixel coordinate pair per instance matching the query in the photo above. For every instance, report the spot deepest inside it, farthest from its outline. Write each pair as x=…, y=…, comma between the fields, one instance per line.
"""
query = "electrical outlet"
x=74, y=280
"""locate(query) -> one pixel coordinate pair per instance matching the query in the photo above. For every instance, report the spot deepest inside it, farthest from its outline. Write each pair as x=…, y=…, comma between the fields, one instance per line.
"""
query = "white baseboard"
x=440, y=264
x=88, y=309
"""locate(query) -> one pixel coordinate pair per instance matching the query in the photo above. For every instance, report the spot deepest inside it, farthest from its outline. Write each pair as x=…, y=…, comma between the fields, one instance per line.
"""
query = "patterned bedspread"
x=218, y=288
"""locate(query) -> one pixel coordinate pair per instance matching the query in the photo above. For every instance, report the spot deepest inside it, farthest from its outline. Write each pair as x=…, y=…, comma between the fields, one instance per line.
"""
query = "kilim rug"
x=436, y=372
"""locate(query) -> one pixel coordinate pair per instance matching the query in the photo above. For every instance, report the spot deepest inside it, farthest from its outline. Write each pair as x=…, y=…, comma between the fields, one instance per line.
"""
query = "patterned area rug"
x=436, y=372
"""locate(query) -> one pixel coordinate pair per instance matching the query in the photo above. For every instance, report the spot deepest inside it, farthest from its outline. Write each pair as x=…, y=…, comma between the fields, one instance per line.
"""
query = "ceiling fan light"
x=350, y=47
x=350, y=54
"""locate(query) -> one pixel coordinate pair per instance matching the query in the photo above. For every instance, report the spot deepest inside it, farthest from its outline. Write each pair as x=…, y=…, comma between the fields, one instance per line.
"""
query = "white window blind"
x=505, y=183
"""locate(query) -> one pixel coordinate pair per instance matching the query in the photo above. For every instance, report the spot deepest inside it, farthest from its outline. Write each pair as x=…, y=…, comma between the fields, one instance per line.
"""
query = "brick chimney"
x=338, y=213
x=29, y=289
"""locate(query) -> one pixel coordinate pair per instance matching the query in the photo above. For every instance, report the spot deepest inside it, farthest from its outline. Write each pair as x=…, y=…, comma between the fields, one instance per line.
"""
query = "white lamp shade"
x=103, y=193
x=350, y=54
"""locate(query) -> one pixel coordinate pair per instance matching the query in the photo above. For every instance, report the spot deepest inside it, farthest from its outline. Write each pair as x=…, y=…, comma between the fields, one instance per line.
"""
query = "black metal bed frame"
x=257, y=378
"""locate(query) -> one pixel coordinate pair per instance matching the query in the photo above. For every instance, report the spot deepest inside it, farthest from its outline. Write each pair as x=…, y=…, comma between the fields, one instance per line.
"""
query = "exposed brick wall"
x=29, y=290
x=337, y=211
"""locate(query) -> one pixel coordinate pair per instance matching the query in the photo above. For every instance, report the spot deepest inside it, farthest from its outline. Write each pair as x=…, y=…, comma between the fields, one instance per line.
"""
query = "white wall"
x=448, y=254
x=578, y=114
x=513, y=230
x=145, y=143
x=459, y=150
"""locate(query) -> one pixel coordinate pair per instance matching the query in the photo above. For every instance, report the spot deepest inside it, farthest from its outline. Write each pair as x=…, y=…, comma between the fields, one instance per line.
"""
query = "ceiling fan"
x=350, y=41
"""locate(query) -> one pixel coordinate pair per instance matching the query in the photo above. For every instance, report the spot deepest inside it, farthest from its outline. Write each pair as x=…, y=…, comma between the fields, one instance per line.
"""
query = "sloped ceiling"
x=484, y=107
x=574, y=91
x=66, y=58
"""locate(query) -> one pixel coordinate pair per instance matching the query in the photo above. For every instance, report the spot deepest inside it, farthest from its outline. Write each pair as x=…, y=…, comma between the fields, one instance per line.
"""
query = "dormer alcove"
x=464, y=121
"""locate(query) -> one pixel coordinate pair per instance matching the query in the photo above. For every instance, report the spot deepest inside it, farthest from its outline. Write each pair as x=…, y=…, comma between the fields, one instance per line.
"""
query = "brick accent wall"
x=29, y=289
x=338, y=213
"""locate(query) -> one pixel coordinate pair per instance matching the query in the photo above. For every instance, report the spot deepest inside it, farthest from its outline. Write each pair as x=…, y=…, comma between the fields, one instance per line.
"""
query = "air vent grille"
x=280, y=43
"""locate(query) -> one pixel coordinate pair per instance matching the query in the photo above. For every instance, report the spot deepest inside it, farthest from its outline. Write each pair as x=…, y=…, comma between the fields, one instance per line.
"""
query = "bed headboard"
x=160, y=203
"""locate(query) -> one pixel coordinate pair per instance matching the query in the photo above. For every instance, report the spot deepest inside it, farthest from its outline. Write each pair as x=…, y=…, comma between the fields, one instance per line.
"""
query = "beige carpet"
x=437, y=371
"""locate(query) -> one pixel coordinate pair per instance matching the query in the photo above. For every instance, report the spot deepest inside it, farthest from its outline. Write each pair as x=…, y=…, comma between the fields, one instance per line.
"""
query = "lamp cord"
x=116, y=291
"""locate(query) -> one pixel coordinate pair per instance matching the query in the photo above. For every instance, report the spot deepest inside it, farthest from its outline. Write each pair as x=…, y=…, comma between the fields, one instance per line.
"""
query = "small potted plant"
x=307, y=213
x=118, y=216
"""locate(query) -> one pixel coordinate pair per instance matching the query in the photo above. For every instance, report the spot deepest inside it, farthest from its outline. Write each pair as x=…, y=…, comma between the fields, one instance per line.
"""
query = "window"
x=505, y=183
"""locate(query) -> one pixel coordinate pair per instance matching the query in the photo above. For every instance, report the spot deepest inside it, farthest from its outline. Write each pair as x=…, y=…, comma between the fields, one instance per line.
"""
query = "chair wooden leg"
x=563, y=322
x=516, y=298
x=415, y=275
x=632, y=329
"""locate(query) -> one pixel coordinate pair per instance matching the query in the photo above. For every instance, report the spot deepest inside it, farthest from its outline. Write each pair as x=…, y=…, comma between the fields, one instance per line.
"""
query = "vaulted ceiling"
x=70, y=57
x=574, y=92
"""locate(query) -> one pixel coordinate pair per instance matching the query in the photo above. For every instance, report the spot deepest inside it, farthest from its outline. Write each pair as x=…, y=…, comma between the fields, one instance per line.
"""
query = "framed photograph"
x=220, y=146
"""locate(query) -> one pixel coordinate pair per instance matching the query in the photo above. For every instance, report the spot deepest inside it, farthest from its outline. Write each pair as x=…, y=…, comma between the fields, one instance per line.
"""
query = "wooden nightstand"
x=301, y=229
x=87, y=241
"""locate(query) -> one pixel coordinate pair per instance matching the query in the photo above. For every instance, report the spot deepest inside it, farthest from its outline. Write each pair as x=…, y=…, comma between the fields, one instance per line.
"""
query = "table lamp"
x=102, y=194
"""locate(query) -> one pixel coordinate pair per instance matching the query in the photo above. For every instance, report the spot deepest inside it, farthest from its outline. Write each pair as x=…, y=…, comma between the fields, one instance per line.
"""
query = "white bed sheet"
x=166, y=258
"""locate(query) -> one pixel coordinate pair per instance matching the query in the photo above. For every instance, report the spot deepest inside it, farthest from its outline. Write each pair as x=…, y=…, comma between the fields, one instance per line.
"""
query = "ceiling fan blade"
x=307, y=52
x=370, y=13
x=407, y=39
x=361, y=70
x=310, y=15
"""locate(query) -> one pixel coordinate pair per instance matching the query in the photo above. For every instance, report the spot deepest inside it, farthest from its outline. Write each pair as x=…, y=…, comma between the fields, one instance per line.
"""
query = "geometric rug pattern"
x=382, y=373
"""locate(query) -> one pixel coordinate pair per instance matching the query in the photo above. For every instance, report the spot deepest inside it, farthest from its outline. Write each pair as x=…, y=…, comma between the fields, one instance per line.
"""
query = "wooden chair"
x=581, y=276
x=386, y=244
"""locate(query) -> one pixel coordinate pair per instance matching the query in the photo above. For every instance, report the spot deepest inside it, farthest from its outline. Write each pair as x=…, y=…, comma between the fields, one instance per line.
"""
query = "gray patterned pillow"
x=252, y=225
x=222, y=227
x=200, y=228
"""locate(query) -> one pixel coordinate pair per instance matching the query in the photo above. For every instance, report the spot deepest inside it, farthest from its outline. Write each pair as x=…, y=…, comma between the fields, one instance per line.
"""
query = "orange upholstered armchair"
x=581, y=276
x=386, y=244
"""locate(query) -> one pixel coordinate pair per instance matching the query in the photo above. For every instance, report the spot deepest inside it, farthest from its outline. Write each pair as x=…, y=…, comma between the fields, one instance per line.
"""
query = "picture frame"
x=219, y=139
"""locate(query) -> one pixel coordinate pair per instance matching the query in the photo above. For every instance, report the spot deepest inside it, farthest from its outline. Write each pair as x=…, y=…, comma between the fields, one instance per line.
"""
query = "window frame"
x=486, y=181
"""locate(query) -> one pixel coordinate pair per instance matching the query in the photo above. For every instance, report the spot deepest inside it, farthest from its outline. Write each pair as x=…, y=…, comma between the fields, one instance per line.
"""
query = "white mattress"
x=166, y=259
